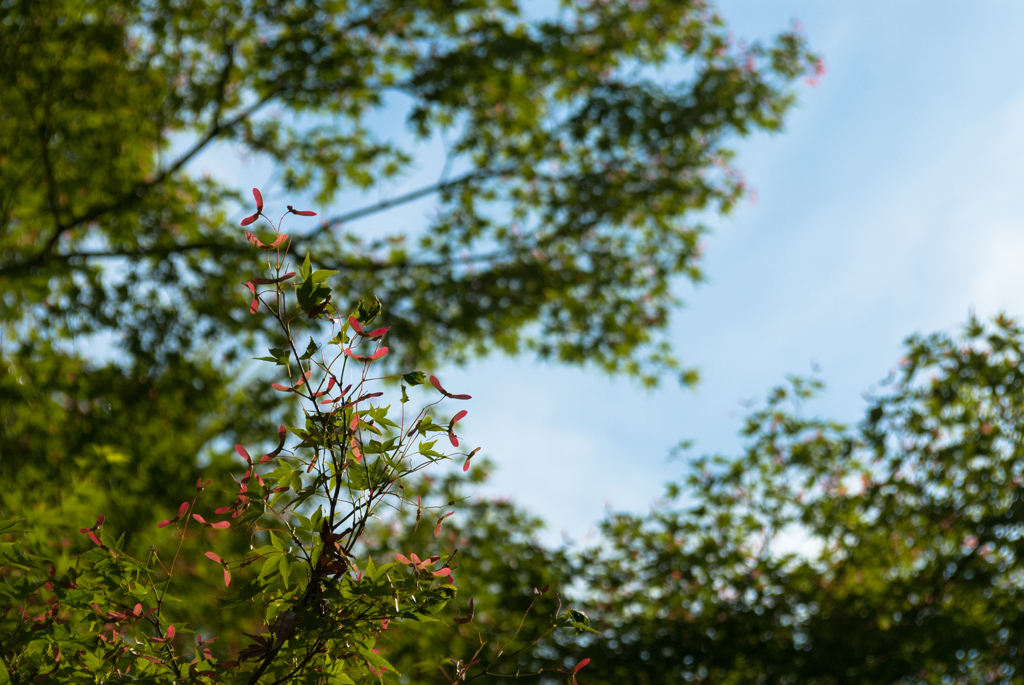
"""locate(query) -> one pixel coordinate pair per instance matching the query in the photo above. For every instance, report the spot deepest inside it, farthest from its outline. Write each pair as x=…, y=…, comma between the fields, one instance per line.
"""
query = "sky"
x=892, y=204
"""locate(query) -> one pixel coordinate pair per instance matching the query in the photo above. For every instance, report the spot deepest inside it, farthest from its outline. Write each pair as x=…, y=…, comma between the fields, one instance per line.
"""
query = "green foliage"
x=140, y=606
x=908, y=530
x=886, y=553
x=889, y=552
x=581, y=165
x=514, y=581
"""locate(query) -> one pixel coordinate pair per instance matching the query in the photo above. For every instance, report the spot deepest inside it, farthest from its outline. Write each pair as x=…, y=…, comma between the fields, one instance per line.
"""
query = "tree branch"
x=403, y=199
x=222, y=84
x=139, y=191
x=51, y=179
x=223, y=248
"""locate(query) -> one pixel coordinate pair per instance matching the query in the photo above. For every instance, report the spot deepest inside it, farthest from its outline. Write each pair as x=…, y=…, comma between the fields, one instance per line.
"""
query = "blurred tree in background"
x=583, y=147
x=577, y=178
x=886, y=553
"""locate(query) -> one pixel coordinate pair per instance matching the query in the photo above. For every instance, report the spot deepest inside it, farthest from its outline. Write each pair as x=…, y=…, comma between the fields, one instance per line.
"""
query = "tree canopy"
x=585, y=146
x=303, y=602
x=887, y=552
x=584, y=143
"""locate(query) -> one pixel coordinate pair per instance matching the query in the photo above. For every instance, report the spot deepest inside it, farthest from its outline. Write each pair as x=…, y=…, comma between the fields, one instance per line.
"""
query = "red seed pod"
x=227, y=574
x=437, y=528
x=286, y=388
x=243, y=453
x=255, y=306
x=265, y=281
x=365, y=359
x=437, y=384
x=249, y=219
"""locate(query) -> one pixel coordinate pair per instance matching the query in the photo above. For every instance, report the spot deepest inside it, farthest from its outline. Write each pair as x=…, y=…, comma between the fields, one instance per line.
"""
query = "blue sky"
x=892, y=204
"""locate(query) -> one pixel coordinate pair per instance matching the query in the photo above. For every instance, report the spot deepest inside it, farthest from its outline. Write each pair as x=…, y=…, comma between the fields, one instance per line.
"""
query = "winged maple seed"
x=182, y=510
x=437, y=384
x=451, y=428
x=212, y=556
x=292, y=388
x=278, y=242
x=423, y=565
x=259, y=208
x=91, y=532
x=366, y=359
x=358, y=328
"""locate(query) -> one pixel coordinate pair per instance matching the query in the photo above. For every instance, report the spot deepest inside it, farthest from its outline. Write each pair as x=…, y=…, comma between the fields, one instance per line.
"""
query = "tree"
x=885, y=553
x=567, y=205
x=908, y=564
x=298, y=515
x=577, y=172
x=575, y=175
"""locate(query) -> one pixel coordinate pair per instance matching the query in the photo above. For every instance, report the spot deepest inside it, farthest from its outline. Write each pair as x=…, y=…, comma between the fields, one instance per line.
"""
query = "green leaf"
x=270, y=566
x=414, y=378
x=583, y=628
x=279, y=356
x=368, y=312
x=322, y=275
x=425, y=449
x=11, y=526
x=370, y=568
x=243, y=596
x=311, y=349
x=376, y=660
x=285, y=567
x=579, y=616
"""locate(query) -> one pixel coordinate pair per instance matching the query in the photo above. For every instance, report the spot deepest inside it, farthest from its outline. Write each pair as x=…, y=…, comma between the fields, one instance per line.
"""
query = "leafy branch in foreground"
x=105, y=615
